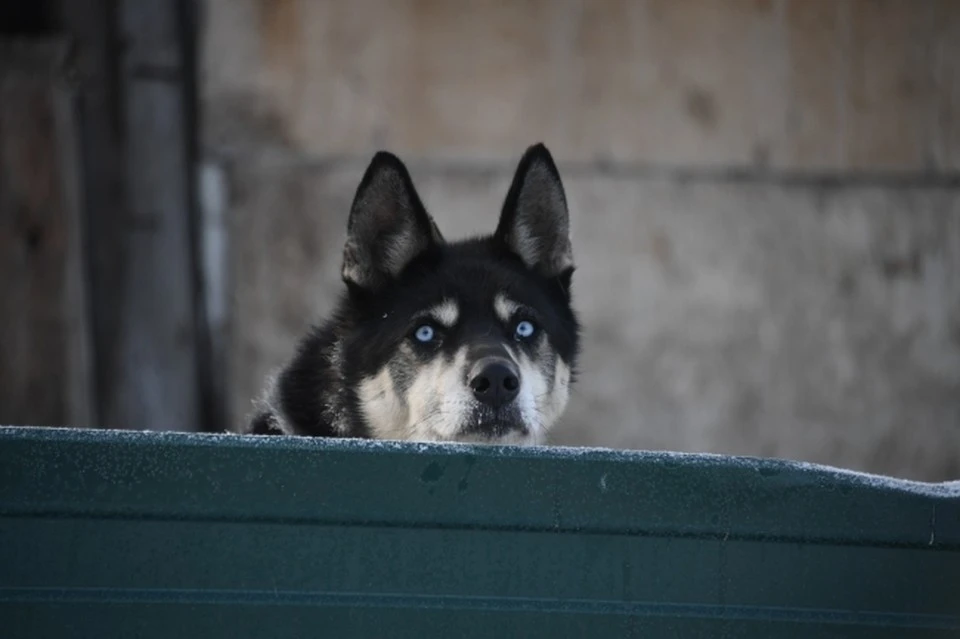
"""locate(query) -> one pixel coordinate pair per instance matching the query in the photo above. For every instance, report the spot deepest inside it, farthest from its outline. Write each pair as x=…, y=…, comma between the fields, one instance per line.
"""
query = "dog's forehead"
x=467, y=288
x=463, y=303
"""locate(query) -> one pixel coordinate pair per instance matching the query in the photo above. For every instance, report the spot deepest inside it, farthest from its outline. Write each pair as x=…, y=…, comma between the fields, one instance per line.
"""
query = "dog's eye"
x=524, y=329
x=424, y=333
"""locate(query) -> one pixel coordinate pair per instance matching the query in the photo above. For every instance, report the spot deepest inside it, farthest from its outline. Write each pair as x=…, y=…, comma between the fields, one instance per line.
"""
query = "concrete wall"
x=765, y=201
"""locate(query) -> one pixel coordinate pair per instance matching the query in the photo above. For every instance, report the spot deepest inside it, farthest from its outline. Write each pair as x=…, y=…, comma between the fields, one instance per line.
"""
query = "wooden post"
x=154, y=380
x=45, y=339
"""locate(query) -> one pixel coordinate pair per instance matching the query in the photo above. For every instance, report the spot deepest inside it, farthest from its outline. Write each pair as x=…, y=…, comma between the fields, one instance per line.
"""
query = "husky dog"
x=470, y=341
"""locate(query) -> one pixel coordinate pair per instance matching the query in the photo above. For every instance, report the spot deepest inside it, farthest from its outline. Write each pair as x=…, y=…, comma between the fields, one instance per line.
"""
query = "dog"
x=469, y=341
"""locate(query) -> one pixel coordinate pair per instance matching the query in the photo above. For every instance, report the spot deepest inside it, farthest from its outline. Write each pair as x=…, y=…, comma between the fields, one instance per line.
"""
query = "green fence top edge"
x=109, y=473
x=948, y=489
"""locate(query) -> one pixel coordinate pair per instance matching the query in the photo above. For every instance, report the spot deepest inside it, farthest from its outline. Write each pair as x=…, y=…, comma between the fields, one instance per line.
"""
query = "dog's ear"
x=388, y=225
x=534, y=223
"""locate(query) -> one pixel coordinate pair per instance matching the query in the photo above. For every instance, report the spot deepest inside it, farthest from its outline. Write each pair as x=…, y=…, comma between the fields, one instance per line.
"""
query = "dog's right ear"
x=388, y=225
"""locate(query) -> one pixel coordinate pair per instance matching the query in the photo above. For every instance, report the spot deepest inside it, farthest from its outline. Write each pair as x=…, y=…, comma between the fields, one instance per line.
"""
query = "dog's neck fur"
x=305, y=397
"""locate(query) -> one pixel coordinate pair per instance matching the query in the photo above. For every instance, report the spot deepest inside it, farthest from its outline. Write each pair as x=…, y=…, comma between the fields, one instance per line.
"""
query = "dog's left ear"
x=388, y=225
x=534, y=223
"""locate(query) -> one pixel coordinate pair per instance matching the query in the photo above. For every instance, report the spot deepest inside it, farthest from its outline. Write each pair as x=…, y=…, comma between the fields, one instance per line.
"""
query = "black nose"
x=495, y=381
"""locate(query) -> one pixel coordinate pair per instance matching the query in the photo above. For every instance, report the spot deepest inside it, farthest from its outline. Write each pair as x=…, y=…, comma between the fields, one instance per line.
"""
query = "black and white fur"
x=503, y=337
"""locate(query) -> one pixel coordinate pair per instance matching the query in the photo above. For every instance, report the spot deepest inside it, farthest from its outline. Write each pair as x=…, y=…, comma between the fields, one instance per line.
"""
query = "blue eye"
x=424, y=333
x=524, y=330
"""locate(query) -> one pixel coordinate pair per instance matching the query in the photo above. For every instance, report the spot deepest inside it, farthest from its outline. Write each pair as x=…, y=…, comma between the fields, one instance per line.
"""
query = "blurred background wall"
x=765, y=200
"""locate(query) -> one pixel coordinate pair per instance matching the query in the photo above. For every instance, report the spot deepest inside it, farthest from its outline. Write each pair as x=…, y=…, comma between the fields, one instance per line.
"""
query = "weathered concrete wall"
x=813, y=322
x=729, y=304
x=45, y=351
x=811, y=84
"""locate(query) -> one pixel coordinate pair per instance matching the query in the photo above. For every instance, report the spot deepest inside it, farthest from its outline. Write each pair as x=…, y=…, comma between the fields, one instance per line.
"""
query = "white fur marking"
x=541, y=404
x=438, y=403
x=382, y=408
x=446, y=312
x=504, y=307
x=440, y=400
x=433, y=409
x=555, y=403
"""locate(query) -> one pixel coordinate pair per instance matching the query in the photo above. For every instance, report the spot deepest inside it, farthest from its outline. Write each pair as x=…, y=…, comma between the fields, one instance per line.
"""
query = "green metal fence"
x=123, y=534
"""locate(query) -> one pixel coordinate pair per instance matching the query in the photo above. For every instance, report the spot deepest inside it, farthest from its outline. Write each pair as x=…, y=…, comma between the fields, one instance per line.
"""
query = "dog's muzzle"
x=494, y=380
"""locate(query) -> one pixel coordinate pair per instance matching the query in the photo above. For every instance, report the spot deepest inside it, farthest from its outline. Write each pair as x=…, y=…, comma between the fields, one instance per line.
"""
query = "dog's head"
x=466, y=341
